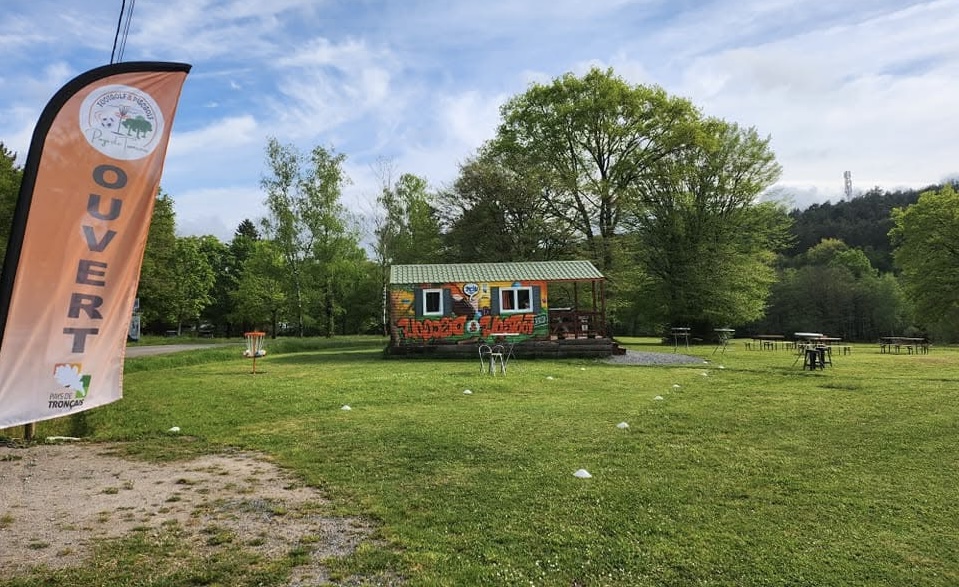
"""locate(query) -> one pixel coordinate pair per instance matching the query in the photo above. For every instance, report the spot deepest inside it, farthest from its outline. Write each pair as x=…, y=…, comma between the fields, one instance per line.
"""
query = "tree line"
x=668, y=203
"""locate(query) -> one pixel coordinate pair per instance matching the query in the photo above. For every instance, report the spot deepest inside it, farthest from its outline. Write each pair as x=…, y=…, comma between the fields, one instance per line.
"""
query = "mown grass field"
x=744, y=471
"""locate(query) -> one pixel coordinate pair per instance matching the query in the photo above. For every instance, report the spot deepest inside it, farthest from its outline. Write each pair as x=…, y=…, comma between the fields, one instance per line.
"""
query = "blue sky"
x=868, y=86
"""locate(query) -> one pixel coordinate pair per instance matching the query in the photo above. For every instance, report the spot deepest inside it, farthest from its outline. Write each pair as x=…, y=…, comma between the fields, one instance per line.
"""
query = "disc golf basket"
x=254, y=346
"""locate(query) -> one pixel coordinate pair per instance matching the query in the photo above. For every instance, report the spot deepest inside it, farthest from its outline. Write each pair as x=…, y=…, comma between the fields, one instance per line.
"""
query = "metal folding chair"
x=484, y=354
x=492, y=358
x=499, y=353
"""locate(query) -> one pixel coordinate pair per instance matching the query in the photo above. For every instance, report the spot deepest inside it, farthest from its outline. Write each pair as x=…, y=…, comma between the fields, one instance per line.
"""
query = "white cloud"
x=470, y=118
x=19, y=116
x=323, y=85
x=16, y=129
x=202, y=30
x=862, y=85
x=216, y=211
x=223, y=134
x=864, y=95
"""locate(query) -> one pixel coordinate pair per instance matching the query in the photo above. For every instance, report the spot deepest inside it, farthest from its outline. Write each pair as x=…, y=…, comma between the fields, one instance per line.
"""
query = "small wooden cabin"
x=449, y=309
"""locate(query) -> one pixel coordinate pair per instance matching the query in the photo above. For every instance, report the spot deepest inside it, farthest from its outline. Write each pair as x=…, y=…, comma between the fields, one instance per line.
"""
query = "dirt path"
x=56, y=500
x=163, y=349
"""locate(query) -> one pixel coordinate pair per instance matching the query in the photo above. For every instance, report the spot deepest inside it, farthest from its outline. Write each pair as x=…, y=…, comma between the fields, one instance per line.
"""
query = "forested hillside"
x=839, y=276
x=863, y=222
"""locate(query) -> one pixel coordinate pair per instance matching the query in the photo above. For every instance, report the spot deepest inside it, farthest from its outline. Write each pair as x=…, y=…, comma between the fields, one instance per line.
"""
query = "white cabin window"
x=515, y=300
x=432, y=302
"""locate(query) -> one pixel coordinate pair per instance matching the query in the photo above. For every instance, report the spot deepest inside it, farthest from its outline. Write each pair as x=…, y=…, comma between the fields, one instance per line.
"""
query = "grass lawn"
x=742, y=471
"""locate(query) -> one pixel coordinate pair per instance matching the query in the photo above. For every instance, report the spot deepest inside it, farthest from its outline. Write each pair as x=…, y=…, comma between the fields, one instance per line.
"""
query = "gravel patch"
x=647, y=358
x=57, y=500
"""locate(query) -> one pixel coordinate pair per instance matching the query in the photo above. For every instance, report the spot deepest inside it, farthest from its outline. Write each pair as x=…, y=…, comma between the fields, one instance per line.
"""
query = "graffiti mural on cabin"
x=457, y=312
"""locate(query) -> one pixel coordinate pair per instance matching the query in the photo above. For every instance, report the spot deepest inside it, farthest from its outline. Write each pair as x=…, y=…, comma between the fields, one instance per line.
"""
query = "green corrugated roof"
x=485, y=272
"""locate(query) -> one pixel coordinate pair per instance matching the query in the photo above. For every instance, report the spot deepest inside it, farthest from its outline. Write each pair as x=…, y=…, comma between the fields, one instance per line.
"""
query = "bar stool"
x=825, y=356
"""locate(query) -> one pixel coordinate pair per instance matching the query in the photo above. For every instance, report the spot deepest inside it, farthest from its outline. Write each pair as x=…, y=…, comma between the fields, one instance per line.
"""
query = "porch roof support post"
x=602, y=301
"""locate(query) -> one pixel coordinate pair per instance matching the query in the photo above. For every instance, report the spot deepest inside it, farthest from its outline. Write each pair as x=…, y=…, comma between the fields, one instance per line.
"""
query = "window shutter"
x=494, y=300
x=536, y=306
x=418, y=302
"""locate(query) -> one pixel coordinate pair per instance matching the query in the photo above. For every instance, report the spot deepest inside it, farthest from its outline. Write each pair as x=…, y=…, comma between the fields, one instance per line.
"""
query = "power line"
x=126, y=30
x=117, y=35
x=120, y=42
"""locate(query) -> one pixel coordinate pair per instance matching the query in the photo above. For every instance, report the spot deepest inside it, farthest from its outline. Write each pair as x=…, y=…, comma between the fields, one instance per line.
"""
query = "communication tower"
x=847, y=178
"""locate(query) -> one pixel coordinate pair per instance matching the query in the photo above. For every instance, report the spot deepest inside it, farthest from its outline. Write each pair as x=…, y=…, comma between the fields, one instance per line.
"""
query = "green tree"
x=705, y=242
x=833, y=288
x=346, y=299
x=156, y=287
x=260, y=296
x=363, y=290
x=406, y=228
x=334, y=235
x=862, y=223
x=926, y=240
x=193, y=278
x=888, y=310
x=285, y=223
x=318, y=238
x=246, y=230
x=215, y=314
x=11, y=175
x=587, y=142
x=494, y=214
x=828, y=251
x=222, y=311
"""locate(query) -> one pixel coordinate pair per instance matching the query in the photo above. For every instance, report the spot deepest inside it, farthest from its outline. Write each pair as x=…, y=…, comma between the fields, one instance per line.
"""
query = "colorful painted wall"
x=463, y=312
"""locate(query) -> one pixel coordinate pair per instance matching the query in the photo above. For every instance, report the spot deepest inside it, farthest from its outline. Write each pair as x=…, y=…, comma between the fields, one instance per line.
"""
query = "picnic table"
x=815, y=338
x=895, y=344
x=769, y=341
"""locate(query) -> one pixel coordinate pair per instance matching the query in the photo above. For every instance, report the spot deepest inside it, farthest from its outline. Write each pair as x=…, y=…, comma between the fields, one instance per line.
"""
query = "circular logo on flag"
x=121, y=122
